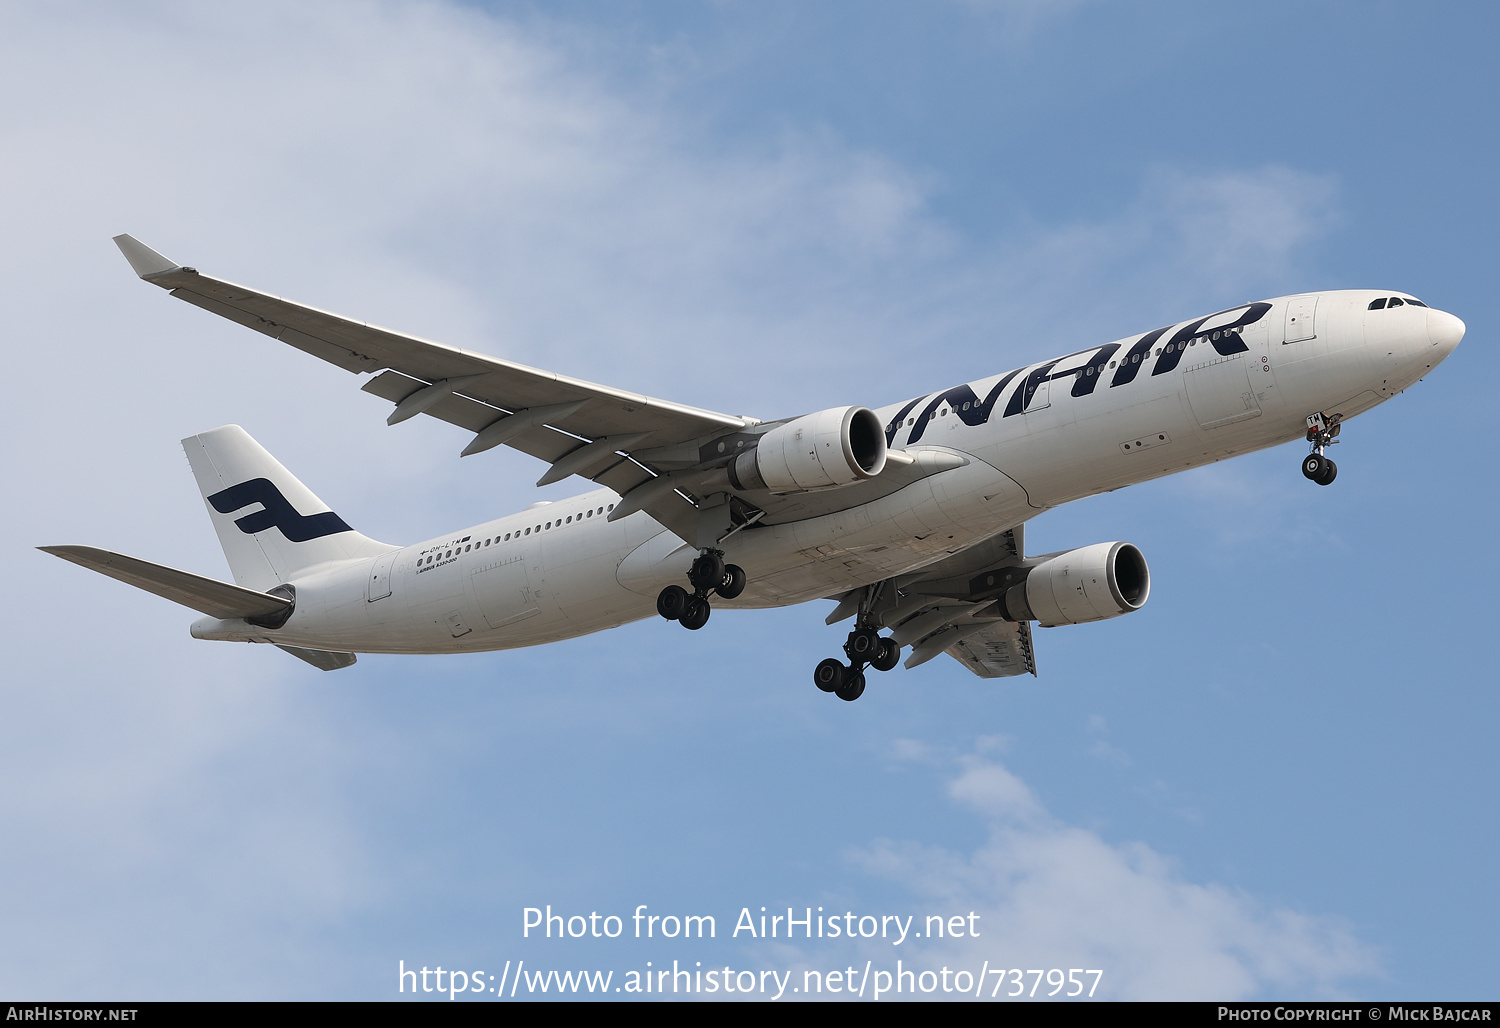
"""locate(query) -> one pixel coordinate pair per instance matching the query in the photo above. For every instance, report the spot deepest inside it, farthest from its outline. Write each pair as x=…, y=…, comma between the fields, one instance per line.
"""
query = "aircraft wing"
x=1000, y=650
x=949, y=607
x=981, y=642
x=578, y=427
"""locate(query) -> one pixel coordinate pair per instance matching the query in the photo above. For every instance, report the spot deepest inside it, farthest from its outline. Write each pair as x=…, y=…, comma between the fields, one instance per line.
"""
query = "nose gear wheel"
x=1318, y=468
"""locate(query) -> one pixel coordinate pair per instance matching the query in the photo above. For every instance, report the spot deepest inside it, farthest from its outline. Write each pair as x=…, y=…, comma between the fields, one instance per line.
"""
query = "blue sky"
x=1276, y=780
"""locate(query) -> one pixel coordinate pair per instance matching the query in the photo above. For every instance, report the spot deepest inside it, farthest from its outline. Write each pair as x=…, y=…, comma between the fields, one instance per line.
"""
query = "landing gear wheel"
x=862, y=645
x=887, y=655
x=733, y=582
x=1328, y=475
x=707, y=571
x=829, y=675
x=1315, y=466
x=672, y=602
x=696, y=616
x=853, y=687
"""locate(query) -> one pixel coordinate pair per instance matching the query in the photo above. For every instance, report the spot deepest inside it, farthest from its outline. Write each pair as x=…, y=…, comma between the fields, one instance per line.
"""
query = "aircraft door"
x=1040, y=398
x=380, y=576
x=1301, y=313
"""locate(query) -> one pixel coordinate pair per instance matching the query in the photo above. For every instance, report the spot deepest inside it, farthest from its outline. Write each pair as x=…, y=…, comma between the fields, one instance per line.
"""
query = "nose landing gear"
x=1321, y=433
x=709, y=574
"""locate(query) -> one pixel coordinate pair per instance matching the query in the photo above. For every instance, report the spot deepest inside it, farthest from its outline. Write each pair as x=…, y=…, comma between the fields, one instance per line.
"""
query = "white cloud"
x=1187, y=239
x=424, y=166
x=1052, y=895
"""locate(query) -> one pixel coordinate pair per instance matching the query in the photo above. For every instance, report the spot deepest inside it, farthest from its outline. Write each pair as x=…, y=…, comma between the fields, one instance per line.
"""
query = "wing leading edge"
x=661, y=457
x=207, y=595
x=549, y=416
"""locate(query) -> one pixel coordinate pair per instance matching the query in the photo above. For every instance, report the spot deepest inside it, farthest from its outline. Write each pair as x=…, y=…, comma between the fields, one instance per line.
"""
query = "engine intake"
x=1091, y=583
x=831, y=448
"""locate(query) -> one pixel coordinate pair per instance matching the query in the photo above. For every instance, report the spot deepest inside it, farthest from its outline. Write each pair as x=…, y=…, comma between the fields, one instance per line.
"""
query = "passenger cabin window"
x=1377, y=304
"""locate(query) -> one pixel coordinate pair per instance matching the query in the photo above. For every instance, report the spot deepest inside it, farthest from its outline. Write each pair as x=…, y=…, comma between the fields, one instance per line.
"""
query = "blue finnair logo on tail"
x=278, y=513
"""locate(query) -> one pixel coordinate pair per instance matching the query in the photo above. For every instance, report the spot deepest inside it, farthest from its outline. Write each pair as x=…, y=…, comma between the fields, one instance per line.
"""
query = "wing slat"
x=362, y=347
x=491, y=389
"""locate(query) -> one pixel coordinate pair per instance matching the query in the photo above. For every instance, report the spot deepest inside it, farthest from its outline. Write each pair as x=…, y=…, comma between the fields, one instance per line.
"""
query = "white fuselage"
x=1083, y=424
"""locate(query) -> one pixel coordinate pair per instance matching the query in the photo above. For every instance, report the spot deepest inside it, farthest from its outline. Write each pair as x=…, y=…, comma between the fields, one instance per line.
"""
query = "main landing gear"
x=709, y=574
x=865, y=646
x=1321, y=433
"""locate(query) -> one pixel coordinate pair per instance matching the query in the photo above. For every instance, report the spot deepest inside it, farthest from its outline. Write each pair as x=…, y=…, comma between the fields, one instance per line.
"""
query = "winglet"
x=146, y=262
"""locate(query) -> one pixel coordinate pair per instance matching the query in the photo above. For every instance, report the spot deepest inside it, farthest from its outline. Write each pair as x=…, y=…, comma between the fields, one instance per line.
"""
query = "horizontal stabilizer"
x=323, y=660
x=212, y=597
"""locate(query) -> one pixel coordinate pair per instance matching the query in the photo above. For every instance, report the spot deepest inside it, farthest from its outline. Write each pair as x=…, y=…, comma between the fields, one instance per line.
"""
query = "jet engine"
x=831, y=448
x=1090, y=583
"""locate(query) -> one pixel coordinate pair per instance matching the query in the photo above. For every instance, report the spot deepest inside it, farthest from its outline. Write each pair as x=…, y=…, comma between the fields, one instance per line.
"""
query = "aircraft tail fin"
x=270, y=525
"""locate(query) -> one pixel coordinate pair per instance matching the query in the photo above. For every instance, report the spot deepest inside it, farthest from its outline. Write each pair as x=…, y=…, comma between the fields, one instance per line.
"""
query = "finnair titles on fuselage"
x=909, y=516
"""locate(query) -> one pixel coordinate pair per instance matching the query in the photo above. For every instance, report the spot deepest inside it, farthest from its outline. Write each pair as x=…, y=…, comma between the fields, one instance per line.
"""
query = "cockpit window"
x=1394, y=301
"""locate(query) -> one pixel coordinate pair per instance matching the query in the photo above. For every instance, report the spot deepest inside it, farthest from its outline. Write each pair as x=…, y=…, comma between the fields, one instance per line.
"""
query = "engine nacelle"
x=1091, y=583
x=834, y=447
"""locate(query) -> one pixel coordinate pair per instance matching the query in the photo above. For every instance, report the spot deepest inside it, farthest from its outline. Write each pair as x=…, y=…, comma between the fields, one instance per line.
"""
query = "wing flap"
x=1001, y=650
x=474, y=415
x=208, y=595
x=992, y=649
x=359, y=346
x=492, y=388
x=455, y=408
x=622, y=474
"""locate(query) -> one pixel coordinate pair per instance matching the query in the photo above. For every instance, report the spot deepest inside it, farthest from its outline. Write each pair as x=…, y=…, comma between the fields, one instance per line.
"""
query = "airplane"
x=911, y=516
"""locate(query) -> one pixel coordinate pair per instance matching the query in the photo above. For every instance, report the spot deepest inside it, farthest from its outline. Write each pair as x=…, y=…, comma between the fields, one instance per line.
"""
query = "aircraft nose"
x=1444, y=331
